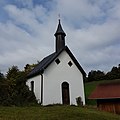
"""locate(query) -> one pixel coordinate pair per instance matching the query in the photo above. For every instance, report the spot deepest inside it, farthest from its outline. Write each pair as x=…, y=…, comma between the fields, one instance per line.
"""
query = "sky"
x=92, y=27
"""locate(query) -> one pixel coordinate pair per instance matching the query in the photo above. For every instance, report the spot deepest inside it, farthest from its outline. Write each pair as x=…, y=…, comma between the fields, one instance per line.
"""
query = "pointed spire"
x=60, y=38
x=59, y=30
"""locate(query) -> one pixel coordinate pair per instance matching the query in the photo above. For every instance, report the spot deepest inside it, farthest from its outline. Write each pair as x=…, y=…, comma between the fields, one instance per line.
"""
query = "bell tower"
x=60, y=38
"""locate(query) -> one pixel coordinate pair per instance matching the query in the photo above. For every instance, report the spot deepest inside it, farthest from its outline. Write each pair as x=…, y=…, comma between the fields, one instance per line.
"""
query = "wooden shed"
x=107, y=96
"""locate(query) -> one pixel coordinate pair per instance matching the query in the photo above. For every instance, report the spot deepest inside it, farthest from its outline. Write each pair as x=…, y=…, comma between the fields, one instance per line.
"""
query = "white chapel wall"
x=55, y=75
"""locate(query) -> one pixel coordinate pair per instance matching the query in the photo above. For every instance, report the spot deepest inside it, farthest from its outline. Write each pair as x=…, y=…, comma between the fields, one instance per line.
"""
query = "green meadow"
x=55, y=112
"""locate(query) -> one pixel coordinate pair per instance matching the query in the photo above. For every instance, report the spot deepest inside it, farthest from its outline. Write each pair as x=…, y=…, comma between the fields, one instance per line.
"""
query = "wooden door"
x=65, y=93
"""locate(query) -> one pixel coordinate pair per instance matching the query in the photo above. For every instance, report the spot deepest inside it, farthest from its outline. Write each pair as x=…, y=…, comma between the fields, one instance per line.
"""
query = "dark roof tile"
x=41, y=66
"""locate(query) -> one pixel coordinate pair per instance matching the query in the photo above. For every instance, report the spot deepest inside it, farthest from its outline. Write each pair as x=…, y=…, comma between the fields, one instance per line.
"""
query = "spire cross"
x=59, y=16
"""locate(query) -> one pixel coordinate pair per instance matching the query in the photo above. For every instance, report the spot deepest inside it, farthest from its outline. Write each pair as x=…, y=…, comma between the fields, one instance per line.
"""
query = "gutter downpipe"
x=41, y=88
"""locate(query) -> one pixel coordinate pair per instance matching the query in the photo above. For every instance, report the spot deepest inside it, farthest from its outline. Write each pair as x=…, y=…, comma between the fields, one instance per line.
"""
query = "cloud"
x=24, y=3
x=92, y=29
x=23, y=38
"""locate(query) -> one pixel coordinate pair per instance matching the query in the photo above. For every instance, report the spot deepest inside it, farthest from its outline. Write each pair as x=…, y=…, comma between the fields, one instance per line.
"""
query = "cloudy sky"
x=27, y=30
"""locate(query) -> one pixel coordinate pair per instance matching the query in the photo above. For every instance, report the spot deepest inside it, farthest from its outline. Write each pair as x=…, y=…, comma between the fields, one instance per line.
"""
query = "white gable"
x=56, y=74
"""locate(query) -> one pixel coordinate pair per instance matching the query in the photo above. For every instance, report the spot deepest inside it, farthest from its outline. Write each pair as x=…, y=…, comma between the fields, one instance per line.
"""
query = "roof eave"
x=35, y=74
x=96, y=98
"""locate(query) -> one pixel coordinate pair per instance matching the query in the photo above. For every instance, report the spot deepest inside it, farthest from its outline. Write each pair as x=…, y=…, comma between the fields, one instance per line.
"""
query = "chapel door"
x=65, y=93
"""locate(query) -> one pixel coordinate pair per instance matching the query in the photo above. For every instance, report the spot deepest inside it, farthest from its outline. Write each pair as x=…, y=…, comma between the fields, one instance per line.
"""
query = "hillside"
x=54, y=113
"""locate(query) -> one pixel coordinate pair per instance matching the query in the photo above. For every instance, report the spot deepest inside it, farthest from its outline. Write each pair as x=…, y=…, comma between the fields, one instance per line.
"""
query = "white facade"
x=53, y=77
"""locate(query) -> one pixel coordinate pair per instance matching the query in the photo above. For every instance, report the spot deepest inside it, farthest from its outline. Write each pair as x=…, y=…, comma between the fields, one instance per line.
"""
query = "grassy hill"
x=54, y=113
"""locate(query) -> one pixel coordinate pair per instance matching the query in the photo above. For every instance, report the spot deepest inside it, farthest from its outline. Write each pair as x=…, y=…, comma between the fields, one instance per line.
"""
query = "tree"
x=114, y=73
x=95, y=75
x=1, y=76
x=13, y=90
x=12, y=73
x=29, y=67
x=4, y=90
x=22, y=95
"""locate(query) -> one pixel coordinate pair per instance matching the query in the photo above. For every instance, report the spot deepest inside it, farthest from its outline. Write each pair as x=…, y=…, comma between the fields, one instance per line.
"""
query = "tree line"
x=96, y=75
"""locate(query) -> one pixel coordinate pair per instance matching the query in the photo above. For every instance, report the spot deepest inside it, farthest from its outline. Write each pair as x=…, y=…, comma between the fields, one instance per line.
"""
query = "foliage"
x=54, y=113
x=1, y=76
x=79, y=101
x=29, y=67
x=13, y=89
x=114, y=73
x=94, y=75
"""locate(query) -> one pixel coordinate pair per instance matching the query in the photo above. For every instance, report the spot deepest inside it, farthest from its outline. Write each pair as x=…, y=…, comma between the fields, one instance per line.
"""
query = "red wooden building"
x=107, y=96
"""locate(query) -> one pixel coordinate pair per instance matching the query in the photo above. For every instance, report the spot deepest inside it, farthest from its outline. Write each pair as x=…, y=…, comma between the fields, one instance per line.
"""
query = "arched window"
x=32, y=86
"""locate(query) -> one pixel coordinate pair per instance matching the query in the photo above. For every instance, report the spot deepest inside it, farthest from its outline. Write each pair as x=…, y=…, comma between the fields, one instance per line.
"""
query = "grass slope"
x=54, y=113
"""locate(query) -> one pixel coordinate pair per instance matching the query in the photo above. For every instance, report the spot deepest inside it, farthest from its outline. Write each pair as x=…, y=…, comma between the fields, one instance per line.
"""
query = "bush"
x=79, y=101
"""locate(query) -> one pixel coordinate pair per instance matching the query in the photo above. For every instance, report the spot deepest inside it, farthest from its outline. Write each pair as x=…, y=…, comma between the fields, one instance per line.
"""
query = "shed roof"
x=39, y=69
x=106, y=91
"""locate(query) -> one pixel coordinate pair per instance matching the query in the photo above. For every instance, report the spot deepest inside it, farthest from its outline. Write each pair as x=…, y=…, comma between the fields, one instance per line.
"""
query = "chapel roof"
x=39, y=69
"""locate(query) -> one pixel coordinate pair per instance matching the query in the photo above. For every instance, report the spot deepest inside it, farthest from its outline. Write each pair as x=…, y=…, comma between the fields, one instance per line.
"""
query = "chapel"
x=58, y=78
